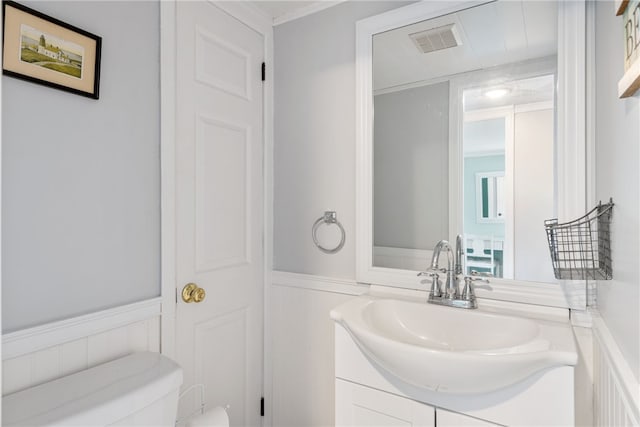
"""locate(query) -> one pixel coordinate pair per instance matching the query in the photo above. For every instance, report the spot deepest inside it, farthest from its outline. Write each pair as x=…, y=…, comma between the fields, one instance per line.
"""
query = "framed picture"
x=630, y=81
x=44, y=50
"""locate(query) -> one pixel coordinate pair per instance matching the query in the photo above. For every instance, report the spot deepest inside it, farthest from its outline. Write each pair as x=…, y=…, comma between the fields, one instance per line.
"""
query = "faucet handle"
x=468, y=292
x=427, y=273
x=475, y=273
x=436, y=284
x=436, y=287
x=476, y=279
x=431, y=271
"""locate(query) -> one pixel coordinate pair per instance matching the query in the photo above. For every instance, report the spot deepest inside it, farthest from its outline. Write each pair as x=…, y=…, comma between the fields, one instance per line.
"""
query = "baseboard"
x=317, y=283
x=616, y=390
x=30, y=340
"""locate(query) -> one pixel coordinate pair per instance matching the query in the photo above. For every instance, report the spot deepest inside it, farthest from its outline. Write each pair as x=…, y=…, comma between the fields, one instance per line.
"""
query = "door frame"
x=261, y=23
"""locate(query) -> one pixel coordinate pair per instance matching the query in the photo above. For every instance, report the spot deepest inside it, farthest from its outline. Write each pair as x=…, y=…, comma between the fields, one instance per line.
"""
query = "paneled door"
x=219, y=210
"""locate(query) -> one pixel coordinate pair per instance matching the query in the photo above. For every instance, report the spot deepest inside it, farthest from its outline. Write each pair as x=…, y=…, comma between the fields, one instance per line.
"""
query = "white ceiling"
x=487, y=135
x=492, y=34
x=281, y=11
x=523, y=91
x=279, y=8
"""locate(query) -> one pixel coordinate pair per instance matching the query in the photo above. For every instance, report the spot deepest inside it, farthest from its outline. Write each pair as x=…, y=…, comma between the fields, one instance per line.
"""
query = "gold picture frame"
x=47, y=51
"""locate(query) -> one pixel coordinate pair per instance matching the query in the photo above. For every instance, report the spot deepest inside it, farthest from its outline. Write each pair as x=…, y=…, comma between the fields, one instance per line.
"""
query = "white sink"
x=454, y=350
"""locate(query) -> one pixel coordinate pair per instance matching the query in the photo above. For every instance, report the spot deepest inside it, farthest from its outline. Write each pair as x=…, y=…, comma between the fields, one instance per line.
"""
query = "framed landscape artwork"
x=44, y=50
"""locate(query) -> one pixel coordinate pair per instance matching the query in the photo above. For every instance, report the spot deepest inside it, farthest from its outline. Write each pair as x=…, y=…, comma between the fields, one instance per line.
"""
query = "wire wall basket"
x=581, y=249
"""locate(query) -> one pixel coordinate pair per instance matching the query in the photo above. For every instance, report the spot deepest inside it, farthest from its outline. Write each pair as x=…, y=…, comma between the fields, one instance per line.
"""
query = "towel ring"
x=328, y=218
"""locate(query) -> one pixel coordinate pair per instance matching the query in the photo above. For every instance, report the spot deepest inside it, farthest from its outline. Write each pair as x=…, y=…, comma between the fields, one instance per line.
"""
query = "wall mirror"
x=468, y=128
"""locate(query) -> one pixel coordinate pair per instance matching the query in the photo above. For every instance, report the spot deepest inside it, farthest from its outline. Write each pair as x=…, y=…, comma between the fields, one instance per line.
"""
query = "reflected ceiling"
x=491, y=35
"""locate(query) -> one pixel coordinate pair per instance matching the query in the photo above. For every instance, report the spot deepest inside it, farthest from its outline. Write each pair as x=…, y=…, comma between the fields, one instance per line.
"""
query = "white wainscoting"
x=43, y=353
x=616, y=390
x=318, y=283
x=299, y=362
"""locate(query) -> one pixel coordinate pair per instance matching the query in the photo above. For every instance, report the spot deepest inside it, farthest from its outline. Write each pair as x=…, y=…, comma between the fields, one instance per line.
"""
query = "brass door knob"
x=193, y=293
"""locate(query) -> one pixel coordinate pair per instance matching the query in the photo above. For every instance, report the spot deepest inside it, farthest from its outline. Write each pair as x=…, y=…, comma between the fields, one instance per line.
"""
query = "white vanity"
x=401, y=361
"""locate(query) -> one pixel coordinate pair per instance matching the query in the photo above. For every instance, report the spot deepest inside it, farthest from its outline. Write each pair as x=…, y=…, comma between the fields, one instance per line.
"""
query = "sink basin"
x=454, y=350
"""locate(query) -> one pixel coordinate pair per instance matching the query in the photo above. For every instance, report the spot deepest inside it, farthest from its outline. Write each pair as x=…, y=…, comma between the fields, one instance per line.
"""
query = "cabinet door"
x=357, y=405
x=454, y=419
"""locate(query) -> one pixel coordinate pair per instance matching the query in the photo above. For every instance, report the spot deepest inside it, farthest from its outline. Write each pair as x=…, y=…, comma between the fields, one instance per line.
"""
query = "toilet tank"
x=140, y=389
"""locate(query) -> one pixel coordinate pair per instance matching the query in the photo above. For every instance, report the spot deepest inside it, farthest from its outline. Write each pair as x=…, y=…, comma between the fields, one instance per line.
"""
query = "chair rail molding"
x=317, y=283
x=30, y=340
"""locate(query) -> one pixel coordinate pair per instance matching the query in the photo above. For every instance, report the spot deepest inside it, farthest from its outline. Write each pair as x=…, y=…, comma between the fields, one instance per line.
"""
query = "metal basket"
x=581, y=249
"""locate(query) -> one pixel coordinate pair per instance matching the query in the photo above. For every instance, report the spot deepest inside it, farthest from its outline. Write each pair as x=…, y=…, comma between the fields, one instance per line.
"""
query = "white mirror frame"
x=571, y=150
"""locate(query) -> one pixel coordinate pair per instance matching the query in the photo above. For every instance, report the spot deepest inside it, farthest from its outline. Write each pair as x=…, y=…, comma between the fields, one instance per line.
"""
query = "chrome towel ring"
x=328, y=218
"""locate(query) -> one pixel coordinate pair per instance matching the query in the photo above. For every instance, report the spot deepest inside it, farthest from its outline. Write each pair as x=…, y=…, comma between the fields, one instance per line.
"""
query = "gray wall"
x=314, y=144
x=410, y=167
x=80, y=177
x=617, y=159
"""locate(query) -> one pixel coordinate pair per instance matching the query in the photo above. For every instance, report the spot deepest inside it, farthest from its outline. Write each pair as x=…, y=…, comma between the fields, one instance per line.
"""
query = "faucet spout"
x=451, y=296
x=451, y=287
x=442, y=244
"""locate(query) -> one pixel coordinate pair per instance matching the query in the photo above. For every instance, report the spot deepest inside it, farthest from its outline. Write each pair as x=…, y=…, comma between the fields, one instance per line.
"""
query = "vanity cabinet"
x=358, y=405
x=368, y=395
x=446, y=418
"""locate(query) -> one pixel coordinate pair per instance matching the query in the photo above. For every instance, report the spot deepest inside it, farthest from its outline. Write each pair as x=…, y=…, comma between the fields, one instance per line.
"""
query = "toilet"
x=140, y=389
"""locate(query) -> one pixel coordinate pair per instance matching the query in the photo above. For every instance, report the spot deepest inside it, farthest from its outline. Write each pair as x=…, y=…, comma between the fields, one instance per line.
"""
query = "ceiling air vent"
x=436, y=38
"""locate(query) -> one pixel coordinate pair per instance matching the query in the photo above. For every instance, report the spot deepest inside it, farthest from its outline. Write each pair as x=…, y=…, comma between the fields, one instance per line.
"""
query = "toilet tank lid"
x=99, y=395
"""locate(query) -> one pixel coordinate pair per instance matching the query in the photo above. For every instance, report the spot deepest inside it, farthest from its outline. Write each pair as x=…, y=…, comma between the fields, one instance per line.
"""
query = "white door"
x=219, y=209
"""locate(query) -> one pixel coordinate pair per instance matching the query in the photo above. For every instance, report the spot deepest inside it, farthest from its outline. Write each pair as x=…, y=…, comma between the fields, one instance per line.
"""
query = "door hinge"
x=262, y=406
x=263, y=71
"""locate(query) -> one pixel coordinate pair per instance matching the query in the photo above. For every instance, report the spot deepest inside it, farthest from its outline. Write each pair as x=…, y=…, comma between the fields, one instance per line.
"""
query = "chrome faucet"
x=459, y=254
x=450, y=282
x=451, y=295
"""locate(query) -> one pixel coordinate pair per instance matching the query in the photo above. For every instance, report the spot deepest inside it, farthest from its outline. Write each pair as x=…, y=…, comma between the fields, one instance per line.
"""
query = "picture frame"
x=629, y=84
x=41, y=49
